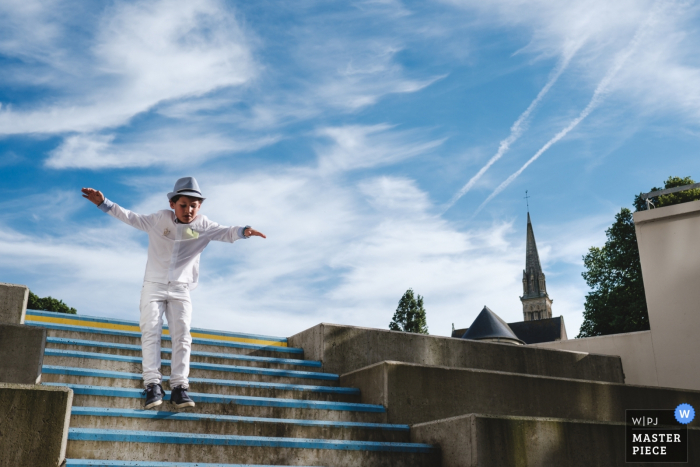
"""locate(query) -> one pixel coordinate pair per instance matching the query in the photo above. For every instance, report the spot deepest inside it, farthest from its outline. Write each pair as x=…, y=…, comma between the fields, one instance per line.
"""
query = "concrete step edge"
x=128, y=436
x=128, y=325
x=110, y=463
x=190, y=416
x=195, y=340
x=81, y=389
x=228, y=356
x=197, y=365
x=88, y=372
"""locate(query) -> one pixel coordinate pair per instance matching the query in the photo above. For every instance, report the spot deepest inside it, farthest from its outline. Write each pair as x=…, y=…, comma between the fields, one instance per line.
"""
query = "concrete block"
x=343, y=349
x=13, y=303
x=418, y=393
x=21, y=353
x=480, y=440
x=34, y=428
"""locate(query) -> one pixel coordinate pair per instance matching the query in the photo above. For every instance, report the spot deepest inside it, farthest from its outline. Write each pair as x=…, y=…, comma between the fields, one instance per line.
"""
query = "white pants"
x=173, y=301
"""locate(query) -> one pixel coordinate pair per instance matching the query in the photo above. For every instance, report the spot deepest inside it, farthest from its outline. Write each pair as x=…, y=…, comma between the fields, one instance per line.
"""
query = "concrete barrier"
x=480, y=440
x=33, y=425
x=343, y=349
x=418, y=393
x=21, y=353
x=13, y=303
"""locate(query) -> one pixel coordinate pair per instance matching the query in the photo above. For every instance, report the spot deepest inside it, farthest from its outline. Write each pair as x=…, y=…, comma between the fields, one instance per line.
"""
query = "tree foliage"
x=617, y=302
x=410, y=315
x=48, y=304
x=673, y=198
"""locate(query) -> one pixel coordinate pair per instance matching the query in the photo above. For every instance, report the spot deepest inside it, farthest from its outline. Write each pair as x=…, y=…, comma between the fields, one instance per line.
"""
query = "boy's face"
x=186, y=208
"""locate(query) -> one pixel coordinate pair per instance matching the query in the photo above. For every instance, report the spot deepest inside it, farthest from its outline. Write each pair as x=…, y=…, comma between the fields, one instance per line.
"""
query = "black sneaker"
x=154, y=395
x=179, y=397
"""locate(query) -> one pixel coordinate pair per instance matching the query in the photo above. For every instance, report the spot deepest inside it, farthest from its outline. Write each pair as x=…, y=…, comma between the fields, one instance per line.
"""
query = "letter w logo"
x=684, y=413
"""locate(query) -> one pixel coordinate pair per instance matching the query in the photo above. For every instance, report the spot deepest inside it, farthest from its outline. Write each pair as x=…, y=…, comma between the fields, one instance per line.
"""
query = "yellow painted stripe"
x=77, y=322
x=244, y=340
x=131, y=328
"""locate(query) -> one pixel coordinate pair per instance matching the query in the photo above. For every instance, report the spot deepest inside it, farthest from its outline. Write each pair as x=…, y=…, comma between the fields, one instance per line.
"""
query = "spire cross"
x=527, y=200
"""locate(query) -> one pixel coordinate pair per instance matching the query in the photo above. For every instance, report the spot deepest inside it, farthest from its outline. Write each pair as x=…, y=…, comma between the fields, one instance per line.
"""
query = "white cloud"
x=362, y=146
x=142, y=53
x=661, y=75
x=168, y=146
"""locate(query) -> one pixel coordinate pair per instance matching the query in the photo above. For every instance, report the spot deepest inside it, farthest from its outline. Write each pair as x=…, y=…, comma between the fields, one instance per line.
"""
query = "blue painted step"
x=249, y=358
x=91, y=434
x=88, y=372
x=222, y=343
x=197, y=365
x=81, y=389
x=153, y=415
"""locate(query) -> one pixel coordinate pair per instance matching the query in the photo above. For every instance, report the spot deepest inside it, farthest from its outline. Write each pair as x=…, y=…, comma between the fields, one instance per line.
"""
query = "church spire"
x=536, y=301
x=532, y=258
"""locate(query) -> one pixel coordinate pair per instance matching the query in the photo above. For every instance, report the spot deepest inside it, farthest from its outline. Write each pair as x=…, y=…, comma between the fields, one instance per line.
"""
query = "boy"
x=175, y=241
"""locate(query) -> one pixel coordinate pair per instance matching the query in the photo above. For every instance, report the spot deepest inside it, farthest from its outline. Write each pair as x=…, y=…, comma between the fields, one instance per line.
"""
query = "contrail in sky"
x=516, y=130
x=598, y=97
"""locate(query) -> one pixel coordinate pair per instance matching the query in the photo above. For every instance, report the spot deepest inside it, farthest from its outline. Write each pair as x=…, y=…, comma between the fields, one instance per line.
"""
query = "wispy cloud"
x=187, y=146
x=517, y=129
x=142, y=53
x=598, y=96
x=361, y=146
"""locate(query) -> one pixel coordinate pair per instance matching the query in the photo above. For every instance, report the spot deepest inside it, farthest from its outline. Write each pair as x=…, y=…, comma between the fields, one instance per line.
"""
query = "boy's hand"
x=93, y=195
x=253, y=232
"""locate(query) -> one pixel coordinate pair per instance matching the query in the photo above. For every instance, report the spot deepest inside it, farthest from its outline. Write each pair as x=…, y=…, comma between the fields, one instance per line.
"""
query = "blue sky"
x=380, y=145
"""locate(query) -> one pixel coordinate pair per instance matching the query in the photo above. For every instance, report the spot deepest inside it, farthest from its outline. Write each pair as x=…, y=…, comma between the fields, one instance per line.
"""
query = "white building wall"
x=669, y=354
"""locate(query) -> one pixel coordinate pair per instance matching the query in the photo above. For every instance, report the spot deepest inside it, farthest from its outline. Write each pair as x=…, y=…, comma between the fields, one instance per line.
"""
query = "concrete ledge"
x=21, y=354
x=418, y=393
x=480, y=440
x=13, y=303
x=666, y=212
x=34, y=428
x=343, y=349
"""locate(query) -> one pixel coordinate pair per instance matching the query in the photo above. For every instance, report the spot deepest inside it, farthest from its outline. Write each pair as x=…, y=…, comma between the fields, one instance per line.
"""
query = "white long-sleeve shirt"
x=173, y=247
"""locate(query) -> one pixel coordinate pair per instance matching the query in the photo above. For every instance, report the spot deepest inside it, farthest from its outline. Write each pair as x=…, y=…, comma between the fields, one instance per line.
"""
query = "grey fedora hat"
x=186, y=186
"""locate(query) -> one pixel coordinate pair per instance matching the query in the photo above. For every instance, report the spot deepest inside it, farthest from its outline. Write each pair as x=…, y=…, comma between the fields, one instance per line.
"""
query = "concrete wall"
x=343, y=349
x=669, y=250
x=13, y=303
x=33, y=425
x=418, y=393
x=634, y=348
x=483, y=441
x=21, y=353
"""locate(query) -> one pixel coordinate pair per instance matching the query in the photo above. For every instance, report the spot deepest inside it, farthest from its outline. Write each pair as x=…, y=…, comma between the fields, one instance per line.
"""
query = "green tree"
x=410, y=315
x=48, y=304
x=617, y=302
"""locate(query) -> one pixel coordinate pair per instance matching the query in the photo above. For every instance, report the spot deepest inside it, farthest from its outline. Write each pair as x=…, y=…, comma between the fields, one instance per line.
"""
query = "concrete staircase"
x=258, y=403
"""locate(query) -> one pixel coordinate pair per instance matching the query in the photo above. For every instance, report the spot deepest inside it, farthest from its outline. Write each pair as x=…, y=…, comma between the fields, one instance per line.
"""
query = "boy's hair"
x=175, y=198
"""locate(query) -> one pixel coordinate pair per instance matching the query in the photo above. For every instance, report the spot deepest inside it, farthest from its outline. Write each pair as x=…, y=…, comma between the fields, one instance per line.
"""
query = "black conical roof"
x=488, y=325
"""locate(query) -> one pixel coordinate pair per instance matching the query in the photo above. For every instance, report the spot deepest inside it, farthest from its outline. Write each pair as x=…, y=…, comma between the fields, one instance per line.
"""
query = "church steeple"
x=536, y=302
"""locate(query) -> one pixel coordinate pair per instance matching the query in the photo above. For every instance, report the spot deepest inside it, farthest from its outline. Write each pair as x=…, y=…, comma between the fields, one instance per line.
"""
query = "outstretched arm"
x=93, y=195
x=124, y=215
